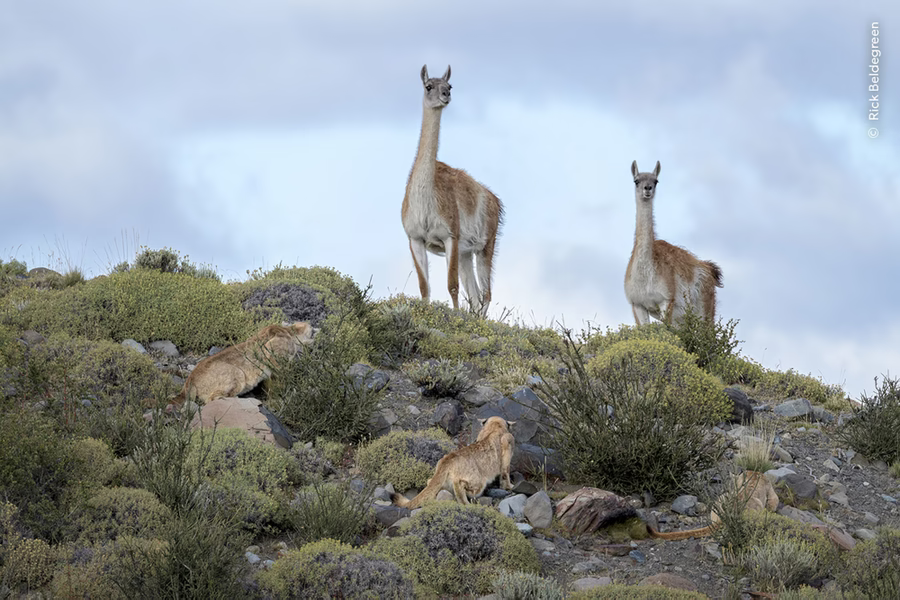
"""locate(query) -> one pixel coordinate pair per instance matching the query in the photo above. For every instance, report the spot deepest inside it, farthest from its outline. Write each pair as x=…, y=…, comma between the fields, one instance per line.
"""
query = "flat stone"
x=513, y=506
x=525, y=529
x=372, y=378
x=831, y=464
x=589, y=509
x=444, y=495
x=781, y=454
x=130, y=343
x=448, y=416
x=777, y=475
x=839, y=537
x=413, y=410
x=165, y=347
x=525, y=487
x=539, y=510
x=497, y=493
x=251, y=558
x=801, y=486
x=887, y=498
x=590, y=566
x=801, y=516
x=638, y=556
x=670, y=580
x=870, y=518
x=247, y=414
x=481, y=395
x=389, y=515
x=864, y=534
x=484, y=500
x=821, y=415
x=542, y=545
x=589, y=583
x=839, y=498
x=794, y=409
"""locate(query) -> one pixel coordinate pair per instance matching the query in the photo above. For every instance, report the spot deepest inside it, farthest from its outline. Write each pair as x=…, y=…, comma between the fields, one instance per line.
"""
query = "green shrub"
x=441, y=317
x=94, y=466
x=756, y=450
x=674, y=370
x=102, y=570
x=777, y=386
x=626, y=432
x=454, y=549
x=519, y=585
x=711, y=342
x=114, y=512
x=872, y=568
x=167, y=260
x=874, y=429
x=635, y=592
x=35, y=467
x=394, y=332
x=440, y=378
x=597, y=342
x=316, y=462
x=145, y=305
x=24, y=561
x=312, y=392
x=404, y=458
x=288, y=301
x=13, y=268
x=330, y=569
x=895, y=469
x=332, y=510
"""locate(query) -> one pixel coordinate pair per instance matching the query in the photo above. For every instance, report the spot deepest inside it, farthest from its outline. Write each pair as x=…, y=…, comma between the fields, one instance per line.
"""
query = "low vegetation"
x=405, y=459
x=874, y=429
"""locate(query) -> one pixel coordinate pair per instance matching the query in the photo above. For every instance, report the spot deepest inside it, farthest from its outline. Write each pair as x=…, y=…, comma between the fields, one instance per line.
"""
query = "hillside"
x=107, y=491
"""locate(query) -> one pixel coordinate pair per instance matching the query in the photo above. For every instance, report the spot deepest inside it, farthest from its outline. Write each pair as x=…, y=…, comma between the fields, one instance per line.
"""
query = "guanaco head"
x=437, y=89
x=645, y=183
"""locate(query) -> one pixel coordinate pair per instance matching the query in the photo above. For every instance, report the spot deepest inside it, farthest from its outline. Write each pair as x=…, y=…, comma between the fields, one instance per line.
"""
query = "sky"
x=248, y=134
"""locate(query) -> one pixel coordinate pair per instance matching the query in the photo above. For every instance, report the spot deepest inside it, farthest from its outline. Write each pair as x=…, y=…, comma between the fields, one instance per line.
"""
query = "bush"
x=681, y=382
x=289, y=301
x=454, y=549
x=145, y=305
x=874, y=429
x=316, y=462
x=635, y=592
x=332, y=510
x=330, y=569
x=101, y=571
x=312, y=392
x=114, y=512
x=35, y=467
x=167, y=260
x=627, y=432
x=24, y=561
x=777, y=386
x=756, y=450
x=95, y=466
x=711, y=342
x=404, y=458
x=526, y=586
x=872, y=568
x=895, y=469
x=597, y=342
x=394, y=332
x=440, y=378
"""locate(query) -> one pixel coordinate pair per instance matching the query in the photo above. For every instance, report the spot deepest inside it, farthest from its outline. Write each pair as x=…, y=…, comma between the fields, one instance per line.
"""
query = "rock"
x=534, y=459
x=363, y=374
x=413, y=410
x=523, y=404
x=801, y=486
x=542, y=545
x=782, y=454
x=831, y=464
x=525, y=487
x=638, y=556
x=444, y=496
x=685, y=505
x=382, y=421
x=870, y=518
x=821, y=415
x=166, y=348
x=214, y=350
x=524, y=430
x=887, y=498
x=670, y=580
x=389, y=515
x=743, y=408
x=448, y=417
x=251, y=558
x=802, y=516
x=613, y=549
x=839, y=498
x=31, y=338
x=589, y=509
x=496, y=493
x=513, y=506
x=539, y=510
x=588, y=583
x=839, y=537
x=777, y=475
x=243, y=413
x=588, y=566
x=534, y=380
x=381, y=494
x=794, y=409
x=864, y=534
x=859, y=459
x=130, y=343
x=481, y=395
x=485, y=500
x=525, y=529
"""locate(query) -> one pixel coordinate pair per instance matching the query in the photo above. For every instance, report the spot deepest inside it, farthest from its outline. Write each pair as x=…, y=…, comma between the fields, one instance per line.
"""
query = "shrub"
x=332, y=510
x=597, y=342
x=440, y=378
x=519, y=585
x=114, y=512
x=635, y=592
x=711, y=342
x=13, y=268
x=626, y=432
x=35, y=467
x=777, y=385
x=102, y=570
x=314, y=462
x=404, y=458
x=330, y=569
x=290, y=301
x=167, y=260
x=872, y=568
x=659, y=364
x=94, y=466
x=312, y=392
x=146, y=305
x=874, y=429
x=24, y=561
x=394, y=332
x=756, y=450
x=895, y=469
x=454, y=549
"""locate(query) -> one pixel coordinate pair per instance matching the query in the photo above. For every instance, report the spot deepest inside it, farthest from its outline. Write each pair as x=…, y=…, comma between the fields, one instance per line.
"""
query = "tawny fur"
x=661, y=279
x=467, y=471
x=238, y=369
x=753, y=489
x=446, y=212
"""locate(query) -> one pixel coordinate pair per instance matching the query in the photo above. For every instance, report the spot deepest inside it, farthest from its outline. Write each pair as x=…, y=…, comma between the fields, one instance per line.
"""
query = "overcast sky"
x=247, y=134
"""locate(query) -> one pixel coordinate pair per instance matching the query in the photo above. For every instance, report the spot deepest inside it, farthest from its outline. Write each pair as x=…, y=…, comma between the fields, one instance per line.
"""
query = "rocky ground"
x=843, y=490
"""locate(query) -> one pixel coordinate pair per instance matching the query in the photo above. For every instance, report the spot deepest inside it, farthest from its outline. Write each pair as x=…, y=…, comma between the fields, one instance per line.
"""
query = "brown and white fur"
x=448, y=213
x=752, y=489
x=467, y=471
x=662, y=279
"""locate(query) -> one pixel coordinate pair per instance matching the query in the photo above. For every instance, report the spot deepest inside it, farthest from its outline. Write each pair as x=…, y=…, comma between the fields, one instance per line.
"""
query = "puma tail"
x=681, y=535
x=430, y=492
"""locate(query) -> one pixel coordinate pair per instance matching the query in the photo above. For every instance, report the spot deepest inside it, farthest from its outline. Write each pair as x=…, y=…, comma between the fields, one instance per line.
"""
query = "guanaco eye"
x=449, y=87
x=428, y=87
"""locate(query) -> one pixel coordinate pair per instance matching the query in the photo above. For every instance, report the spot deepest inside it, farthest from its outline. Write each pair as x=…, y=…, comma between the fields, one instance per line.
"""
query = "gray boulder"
x=539, y=510
x=794, y=409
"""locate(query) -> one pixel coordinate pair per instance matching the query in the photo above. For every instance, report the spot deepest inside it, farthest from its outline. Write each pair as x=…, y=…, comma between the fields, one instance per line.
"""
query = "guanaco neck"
x=643, y=233
x=422, y=175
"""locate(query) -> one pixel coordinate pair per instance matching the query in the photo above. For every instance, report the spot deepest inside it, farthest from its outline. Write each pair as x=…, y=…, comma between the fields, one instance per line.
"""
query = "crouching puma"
x=467, y=471
x=238, y=369
x=751, y=487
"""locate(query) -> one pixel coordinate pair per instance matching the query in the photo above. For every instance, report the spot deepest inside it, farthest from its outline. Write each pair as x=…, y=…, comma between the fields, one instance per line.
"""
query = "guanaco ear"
x=656, y=170
x=482, y=421
x=511, y=423
x=447, y=74
x=634, y=169
x=424, y=73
